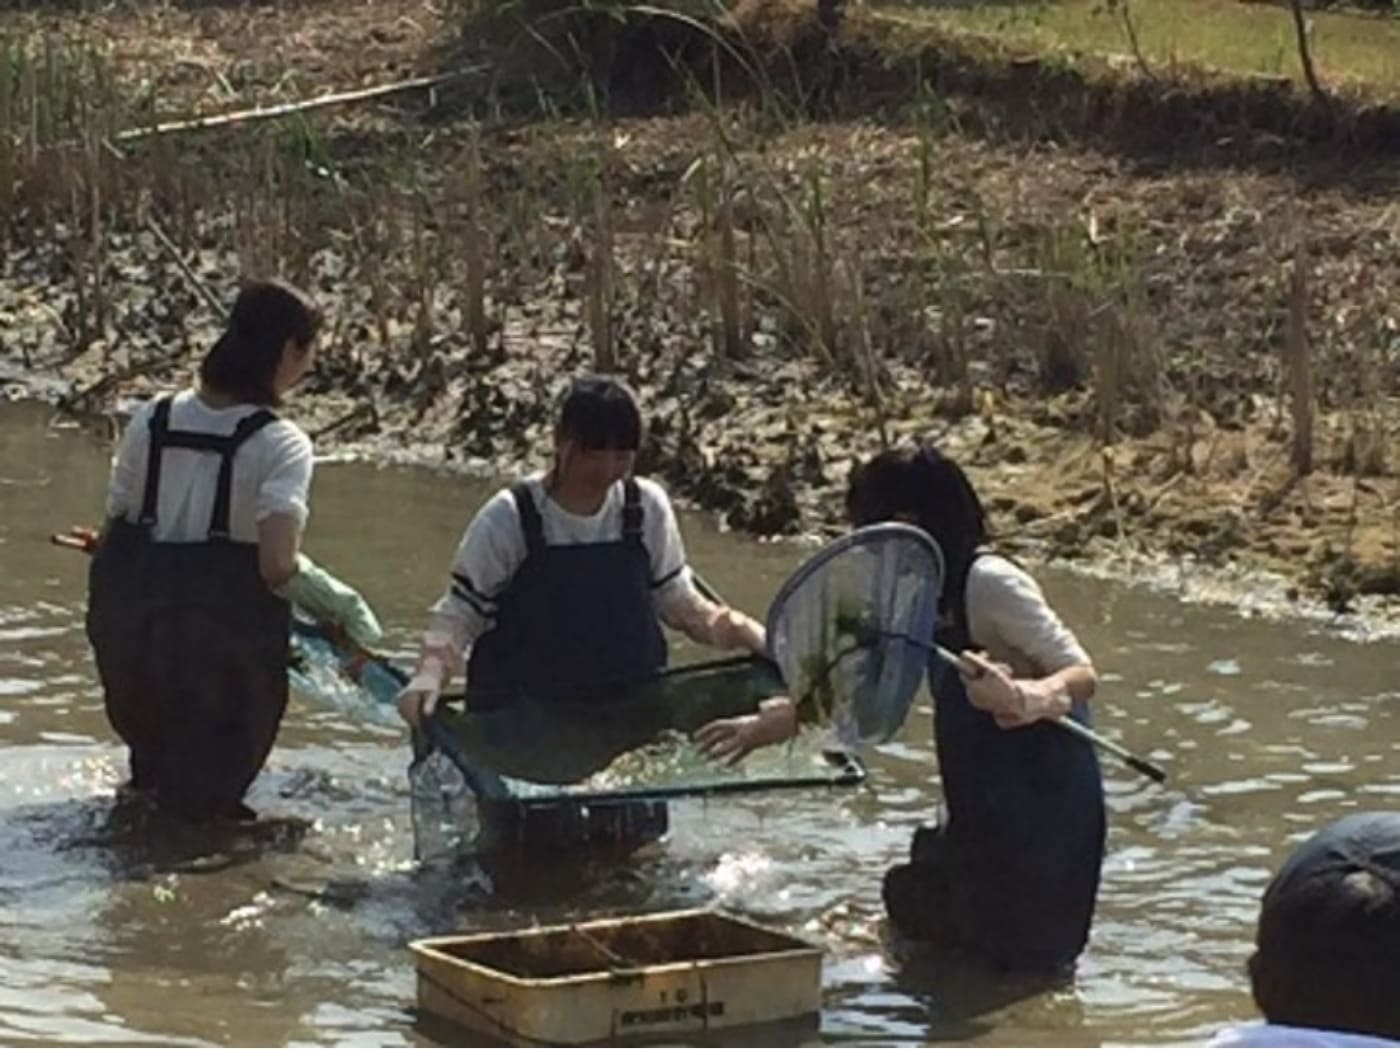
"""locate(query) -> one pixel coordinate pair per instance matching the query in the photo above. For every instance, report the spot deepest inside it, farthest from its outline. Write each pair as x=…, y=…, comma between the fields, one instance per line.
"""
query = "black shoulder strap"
x=530, y=522
x=159, y=426
x=223, y=494
x=632, y=513
x=225, y=446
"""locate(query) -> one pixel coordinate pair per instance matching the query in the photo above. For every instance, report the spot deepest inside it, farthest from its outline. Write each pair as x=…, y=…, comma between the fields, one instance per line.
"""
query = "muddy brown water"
x=295, y=932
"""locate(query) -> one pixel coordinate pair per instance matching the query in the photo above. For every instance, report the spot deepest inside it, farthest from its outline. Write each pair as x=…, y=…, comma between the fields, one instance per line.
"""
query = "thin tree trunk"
x=1130, y=27
x=1304, y=54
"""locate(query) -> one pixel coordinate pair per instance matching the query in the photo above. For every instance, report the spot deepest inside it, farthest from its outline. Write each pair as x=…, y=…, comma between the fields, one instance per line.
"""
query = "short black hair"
x=599, y=412
x=1328, y=944
x=243, y=363
x=926, y=486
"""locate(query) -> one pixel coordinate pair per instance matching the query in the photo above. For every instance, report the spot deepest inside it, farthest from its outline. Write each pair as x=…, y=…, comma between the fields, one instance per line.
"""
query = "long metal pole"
x=1147, y=768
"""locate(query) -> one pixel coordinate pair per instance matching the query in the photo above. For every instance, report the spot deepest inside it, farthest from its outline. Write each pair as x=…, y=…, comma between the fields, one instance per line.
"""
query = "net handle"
x=1138, y=764
x=955, y=661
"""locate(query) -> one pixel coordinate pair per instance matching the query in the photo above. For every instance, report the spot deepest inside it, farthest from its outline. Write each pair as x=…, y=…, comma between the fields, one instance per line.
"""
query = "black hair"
x=243, y=362
x=925, y=486
x=598, y=412
x=1328, y=943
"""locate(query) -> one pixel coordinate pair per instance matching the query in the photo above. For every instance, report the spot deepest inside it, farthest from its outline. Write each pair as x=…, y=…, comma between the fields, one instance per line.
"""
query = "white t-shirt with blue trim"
x=493, y=548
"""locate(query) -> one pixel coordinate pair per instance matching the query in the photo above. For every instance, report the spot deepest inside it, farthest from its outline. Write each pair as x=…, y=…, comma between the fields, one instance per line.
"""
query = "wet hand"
x=418, y=700
x=991, y=687
x=731, y=739
x=1012, y=702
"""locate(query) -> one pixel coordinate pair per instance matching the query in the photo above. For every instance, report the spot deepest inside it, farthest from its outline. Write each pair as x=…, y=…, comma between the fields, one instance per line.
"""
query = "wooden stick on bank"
x=335, y=98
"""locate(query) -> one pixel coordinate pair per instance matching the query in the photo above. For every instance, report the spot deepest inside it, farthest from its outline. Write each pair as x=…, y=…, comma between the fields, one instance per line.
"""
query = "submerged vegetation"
x=803, y=232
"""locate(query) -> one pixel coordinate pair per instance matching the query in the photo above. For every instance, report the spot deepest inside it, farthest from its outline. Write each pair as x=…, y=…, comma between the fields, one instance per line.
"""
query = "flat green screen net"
x=634, y=744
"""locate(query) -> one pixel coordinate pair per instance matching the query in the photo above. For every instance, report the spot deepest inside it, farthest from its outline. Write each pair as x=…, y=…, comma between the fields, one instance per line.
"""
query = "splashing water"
x=319, y=674
x=446, y=818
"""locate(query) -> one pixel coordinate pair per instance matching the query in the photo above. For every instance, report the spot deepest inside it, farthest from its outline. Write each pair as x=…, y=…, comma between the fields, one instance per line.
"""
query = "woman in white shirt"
x=206, y=507
x=1010, y=873
x=561, y=583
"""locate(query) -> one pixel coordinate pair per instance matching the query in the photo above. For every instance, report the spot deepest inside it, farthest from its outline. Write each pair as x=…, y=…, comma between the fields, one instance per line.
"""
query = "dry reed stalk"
x=423, y=278
x=732, y=336
x=295, y=208
x=944, y=284
x=97, y=233
x=258, y=232
x=198, y=286
x=76, y=249
x=1109, y=355
x=868, y=368
x=372, y=239
x=820, y=300
x=1064, y=283
x=702, y=248
x=29, y=95
x=599, y=272
x=1111, y=493
x=8, y=160
x=474, y=245
x=1299, y=365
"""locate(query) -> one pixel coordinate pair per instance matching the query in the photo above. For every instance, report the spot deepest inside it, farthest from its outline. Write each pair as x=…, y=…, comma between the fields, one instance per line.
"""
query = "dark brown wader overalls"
x=191, y=645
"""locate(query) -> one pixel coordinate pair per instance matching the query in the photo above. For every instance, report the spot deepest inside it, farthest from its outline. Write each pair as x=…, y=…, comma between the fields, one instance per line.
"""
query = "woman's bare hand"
x=732, y=739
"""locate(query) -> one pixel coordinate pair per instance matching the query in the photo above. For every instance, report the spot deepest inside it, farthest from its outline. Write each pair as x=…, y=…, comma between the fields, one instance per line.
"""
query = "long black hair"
x=243, y=362
x=925, y=487
x=599, y=413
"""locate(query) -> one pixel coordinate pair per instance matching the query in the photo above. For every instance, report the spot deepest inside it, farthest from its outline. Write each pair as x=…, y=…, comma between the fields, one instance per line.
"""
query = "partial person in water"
x=189, y=585
x=1010, y=874
x=1326, y=965
x=562, y=582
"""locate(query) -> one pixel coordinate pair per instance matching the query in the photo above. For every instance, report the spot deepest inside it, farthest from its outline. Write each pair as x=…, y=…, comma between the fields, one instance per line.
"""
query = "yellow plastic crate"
x=668, y=973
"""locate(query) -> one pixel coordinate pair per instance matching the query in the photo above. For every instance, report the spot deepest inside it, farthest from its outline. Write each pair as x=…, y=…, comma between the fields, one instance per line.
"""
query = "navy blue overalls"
x=576, y=624
x=1012, y=874
x=190, y=644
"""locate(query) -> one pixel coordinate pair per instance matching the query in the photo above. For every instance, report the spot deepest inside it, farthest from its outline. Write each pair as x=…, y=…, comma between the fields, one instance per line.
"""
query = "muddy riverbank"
x=1098, y=333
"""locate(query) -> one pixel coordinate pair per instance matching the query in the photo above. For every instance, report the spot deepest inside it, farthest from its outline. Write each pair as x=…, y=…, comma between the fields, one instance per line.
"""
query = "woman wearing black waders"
x=561, y=584
x=205, y=509
x=1011, y=873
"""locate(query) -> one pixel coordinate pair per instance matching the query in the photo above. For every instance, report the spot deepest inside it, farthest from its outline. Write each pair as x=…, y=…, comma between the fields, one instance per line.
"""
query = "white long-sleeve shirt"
x=493, y=547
